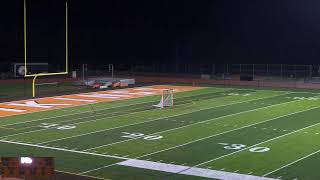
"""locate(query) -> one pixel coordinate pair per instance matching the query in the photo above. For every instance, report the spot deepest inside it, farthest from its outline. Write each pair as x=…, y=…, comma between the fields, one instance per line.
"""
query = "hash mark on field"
x=236, y=170
x=250, y=173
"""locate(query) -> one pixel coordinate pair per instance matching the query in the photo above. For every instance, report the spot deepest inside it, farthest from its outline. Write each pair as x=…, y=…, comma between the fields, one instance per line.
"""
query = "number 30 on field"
x=241, y=146
x=140, y=135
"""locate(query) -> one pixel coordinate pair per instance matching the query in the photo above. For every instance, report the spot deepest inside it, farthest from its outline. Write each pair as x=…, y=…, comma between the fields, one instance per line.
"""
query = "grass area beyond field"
x=228, y=131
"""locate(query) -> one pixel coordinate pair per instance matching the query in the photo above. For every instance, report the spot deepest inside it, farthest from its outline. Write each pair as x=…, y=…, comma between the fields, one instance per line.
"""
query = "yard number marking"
x=304, y=98
x=241, y=146
x=140, y=135
x=56, y=126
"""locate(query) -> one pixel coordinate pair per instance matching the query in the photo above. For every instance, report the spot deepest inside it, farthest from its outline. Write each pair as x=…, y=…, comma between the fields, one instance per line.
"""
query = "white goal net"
x=166, y=99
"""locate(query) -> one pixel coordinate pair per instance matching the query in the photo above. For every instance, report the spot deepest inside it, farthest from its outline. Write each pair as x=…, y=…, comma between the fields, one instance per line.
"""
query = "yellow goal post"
x=25, y=52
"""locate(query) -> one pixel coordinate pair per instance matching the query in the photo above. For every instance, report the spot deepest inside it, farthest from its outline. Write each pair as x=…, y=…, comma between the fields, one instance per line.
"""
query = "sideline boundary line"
x=139, y=157
x=63, y=149
x=75, y=174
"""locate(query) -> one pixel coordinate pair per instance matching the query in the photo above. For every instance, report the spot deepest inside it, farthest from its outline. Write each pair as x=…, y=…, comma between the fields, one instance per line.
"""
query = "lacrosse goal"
x=166, y=99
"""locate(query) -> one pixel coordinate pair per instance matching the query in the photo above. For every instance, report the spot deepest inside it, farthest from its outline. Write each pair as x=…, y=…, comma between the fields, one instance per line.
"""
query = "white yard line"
x=110, y=115
x=64, y=109
x=189, y=112
x=97, y=110
x=298, y=160
x=266, y=89
x=94, y=177
x=90, y=116
x=284, y=135
x=201, y=122
x=82, y=112
x=228, y=132
x=91, y=170
x=215, y=172
x=213, y=136
x=62, y=149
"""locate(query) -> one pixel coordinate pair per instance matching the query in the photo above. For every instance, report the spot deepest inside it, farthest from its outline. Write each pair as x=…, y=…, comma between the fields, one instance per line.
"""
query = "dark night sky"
x=156, y=31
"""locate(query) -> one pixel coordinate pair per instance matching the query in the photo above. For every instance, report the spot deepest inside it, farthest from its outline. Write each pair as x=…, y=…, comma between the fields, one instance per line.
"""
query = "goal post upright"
x=25, y=49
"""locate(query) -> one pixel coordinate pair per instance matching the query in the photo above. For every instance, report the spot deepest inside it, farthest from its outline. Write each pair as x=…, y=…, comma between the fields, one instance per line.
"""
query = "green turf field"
x=214, y=132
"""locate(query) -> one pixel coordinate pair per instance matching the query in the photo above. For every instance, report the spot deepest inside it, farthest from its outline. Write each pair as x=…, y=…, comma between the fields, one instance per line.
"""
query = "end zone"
x=57, y=102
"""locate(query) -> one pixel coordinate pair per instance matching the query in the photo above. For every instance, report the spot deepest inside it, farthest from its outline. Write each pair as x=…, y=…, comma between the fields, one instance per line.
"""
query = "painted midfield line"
x=189, y=112
x=201, y=122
